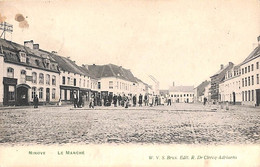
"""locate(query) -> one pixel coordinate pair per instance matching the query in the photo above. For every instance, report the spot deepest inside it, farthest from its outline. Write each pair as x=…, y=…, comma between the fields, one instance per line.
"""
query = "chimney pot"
x=221, y=66
x=36, y=46
x=29, y=44
x=54, y=52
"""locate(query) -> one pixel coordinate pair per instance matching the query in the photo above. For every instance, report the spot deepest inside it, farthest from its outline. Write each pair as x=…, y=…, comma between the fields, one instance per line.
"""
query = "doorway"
x=234, y=98
x=47, y=95
x=257, y=97
x=22, y=96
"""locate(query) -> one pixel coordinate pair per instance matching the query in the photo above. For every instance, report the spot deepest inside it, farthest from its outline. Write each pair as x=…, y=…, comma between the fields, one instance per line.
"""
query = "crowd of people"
x=120, y=100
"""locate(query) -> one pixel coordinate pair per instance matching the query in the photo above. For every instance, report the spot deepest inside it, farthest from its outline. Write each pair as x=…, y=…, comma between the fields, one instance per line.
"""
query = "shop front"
x=9, y=91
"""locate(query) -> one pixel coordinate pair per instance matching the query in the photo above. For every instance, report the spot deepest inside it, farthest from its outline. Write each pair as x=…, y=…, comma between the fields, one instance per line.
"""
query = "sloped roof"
x=36, y=57
x=181, y=89
x=252, y=55
x=201, y=87
x=224, y=68
x=66, y=64
x=111, y=70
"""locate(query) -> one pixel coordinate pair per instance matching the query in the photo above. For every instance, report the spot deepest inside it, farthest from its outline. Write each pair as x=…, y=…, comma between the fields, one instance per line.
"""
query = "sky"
x=175, y=41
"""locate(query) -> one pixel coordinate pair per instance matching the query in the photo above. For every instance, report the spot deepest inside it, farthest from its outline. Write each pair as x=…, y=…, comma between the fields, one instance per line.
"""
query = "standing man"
x=145, y=100
x=140, y=100
x=119, y=100
x=35, y=101
x=134, y=100
x=75, y=98
x=115, y=100
x=169, y=100
x=156, y=100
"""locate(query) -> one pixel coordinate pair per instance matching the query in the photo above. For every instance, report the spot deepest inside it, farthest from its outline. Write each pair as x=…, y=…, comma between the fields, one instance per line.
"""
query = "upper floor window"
x=22, y=57
x=99, y=85
x=252, y=79
x=252, y=67
x=34, y=77
x=257, y=78
x=68, y=81
x=75, y=82
x=41, y=78
x=47, y=79
x=47, y=63
x=84, y=83
x=80, y=82
x=53, y=80
x=257, y=65
x=245, y=69
x=10, y=72
x=23, y=76
x=242, y=70
x=63, y=80
x=248, y=68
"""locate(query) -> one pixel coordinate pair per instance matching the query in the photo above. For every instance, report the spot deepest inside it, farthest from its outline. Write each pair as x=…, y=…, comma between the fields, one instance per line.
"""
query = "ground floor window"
x=249, y=95
x=53, y=93
x=245, y=95
x=33, y=92
x=253, y=95
x=11, y=93
x=40, y=93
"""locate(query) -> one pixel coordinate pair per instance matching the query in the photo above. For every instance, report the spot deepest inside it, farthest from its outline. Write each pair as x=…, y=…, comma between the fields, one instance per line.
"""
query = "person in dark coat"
x=205, y=101
x=119, y=98
x=80, y=101
x=140, y=100
x=115, y=100
x=146, y=100
x=35, y=101
x=110, y=98
x=156, y=100
x=134, y=100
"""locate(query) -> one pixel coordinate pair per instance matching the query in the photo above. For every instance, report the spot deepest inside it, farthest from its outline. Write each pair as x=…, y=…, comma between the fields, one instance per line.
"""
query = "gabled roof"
x=252, y=55
x=35, y=57
x=66, y=64
x=201, y=87
x=111, y=70
x=230, y=64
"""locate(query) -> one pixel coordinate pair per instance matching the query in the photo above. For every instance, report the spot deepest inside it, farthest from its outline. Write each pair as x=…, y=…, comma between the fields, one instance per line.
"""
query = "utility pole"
x=5, y=27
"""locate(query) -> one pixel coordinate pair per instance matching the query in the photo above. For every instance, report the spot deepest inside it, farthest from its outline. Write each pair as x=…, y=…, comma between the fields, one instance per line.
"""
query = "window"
x=252, y=67
x=184, y=95
x=34, y=77
x=53, y=93
x=248, y=68
x=245, y=69
x=68, y=80
x=23, y=57
x=257, y=65
x=249, y=95
x=23, y=76
x=243, y=96
x=253, y=96
x=88, y=83
x=84, y=83
x=63, y=80
x=252, y=79
x=75, y=82
x=80, y=82
x=242, y=70
x=110, y=84
x=40, y=93
x=10, y=72
x=245, y=81
x=41, y=78
x=99, y=85
x=47, y=79
x=11, y=92
x=248, y=81
x=33, y=92
x=180, y=95
x=257, y=78
x=242, y=82
x=53, y=80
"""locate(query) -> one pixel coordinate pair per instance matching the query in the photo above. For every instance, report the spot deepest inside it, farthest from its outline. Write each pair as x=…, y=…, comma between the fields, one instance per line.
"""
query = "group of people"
x=123, y=100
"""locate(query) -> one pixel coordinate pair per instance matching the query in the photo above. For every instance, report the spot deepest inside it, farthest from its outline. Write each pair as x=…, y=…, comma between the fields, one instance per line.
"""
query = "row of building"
x=236, y=84
x=27, y=70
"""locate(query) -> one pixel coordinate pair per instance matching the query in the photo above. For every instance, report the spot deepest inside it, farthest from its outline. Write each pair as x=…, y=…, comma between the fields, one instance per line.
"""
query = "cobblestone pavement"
x=176, y=124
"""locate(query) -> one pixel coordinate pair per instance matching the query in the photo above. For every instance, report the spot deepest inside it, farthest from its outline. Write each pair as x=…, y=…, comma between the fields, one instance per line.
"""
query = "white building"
x=230, y=87
x=25, y=72
x=182, y=94
x=250, y=73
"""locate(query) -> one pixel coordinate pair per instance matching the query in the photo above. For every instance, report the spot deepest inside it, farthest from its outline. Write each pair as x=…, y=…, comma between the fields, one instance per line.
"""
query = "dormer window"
x=22, y=57
x=47, y=63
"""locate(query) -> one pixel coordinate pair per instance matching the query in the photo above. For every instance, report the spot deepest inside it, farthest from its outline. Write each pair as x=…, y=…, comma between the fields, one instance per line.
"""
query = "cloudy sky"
x=180, y=41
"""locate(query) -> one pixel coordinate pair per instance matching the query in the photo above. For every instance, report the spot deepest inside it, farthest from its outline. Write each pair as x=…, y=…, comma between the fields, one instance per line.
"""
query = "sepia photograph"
x=130, y=83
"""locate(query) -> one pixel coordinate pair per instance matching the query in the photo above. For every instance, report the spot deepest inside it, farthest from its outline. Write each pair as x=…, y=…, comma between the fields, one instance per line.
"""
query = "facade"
x=216, y=79
x=250, y=73
x=27, y=71
x=230, y=87
x=182, y=94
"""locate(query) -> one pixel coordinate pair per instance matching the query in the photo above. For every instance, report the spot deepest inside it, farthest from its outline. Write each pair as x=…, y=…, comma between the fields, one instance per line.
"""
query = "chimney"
x=36, y=46
x=221, y=66
x=173, y=84
x=53, y=52
x=29, y=44
x=258, y=39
